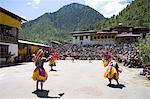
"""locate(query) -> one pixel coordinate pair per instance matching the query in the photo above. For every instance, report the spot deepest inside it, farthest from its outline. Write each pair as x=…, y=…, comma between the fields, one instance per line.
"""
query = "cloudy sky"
x=31, y=9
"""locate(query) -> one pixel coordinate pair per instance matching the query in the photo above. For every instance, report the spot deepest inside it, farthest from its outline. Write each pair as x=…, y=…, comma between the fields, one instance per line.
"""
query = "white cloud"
x=29, y=3
x=108, y=7
x=34, y=3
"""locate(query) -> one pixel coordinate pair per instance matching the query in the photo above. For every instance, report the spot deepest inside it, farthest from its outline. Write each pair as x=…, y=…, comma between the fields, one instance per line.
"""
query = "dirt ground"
x=79, y=80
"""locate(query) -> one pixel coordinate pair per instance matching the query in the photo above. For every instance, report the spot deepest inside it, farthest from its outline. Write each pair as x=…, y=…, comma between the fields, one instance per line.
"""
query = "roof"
x=33, y=43
x=82, y=32
x=140, y=28
x=11, y=14
x=112, y=32
x=122, y=26
x=128, y=35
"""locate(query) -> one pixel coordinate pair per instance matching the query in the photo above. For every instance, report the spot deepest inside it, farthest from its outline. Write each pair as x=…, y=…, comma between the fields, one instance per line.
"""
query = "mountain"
x=135, y=14
x=58, y=25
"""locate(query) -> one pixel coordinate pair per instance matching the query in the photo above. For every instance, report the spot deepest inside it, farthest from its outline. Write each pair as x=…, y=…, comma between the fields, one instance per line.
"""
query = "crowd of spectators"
x=123, y=53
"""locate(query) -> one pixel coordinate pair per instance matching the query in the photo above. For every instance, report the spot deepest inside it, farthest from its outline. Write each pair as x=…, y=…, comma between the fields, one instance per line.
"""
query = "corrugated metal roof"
x=128, y=35
x=112, y=32
x=82, y=32
x=93, y=31
x=33, y=43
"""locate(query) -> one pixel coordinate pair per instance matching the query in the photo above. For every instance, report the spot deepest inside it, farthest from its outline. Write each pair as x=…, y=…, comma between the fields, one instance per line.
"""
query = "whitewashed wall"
x=13, y=48
x=86, y=40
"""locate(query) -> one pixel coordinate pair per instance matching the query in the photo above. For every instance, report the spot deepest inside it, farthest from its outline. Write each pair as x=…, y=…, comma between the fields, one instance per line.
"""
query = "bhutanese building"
x=93, y=37
x=26, y=49
x=109, y=37
x=10, y=24
x=128, y=34
x=127, y=38
x=116, y=35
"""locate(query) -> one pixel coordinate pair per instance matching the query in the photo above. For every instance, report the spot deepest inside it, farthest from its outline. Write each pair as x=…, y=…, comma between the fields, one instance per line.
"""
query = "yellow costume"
x=111, y=73
x=39, y=74
x=52, y=62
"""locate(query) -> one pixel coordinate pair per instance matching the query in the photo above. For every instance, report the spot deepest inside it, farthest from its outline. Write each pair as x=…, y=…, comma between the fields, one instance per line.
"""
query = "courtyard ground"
x=79, y=80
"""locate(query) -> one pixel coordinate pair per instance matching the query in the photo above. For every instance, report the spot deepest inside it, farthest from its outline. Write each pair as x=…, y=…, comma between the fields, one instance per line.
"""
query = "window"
x=102, y=37
x=75, y=37
x=14, y=31
x=105, y=37
x=9, y=31
x=3, y=51
x=86, y=36
x=81, y=37
x=0, y=28
x=94, y=37
x=113, y=36
x=109, y=36
x=91, y=38
x=98, y=37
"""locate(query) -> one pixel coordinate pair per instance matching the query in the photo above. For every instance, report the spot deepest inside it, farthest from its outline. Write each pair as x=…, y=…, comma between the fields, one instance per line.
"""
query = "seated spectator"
x=9, y=59
x=146, y=71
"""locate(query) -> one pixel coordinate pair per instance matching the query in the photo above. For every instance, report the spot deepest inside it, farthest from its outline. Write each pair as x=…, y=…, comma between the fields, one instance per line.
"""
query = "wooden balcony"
x=8, y=39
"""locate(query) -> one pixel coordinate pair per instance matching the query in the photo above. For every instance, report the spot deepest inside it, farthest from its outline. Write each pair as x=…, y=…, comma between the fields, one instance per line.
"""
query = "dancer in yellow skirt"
x=52, y=63
x=39, y=74
x=112, y=72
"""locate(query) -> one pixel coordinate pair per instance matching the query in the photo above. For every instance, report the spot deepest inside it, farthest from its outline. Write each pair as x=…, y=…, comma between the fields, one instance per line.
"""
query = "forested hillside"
x=135, y=14
x=58, y=25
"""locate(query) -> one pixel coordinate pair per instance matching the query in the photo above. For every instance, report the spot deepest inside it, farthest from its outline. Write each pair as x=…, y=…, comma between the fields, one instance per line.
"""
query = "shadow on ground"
x=53, y=70
x=116, y=86
x=44, y=94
